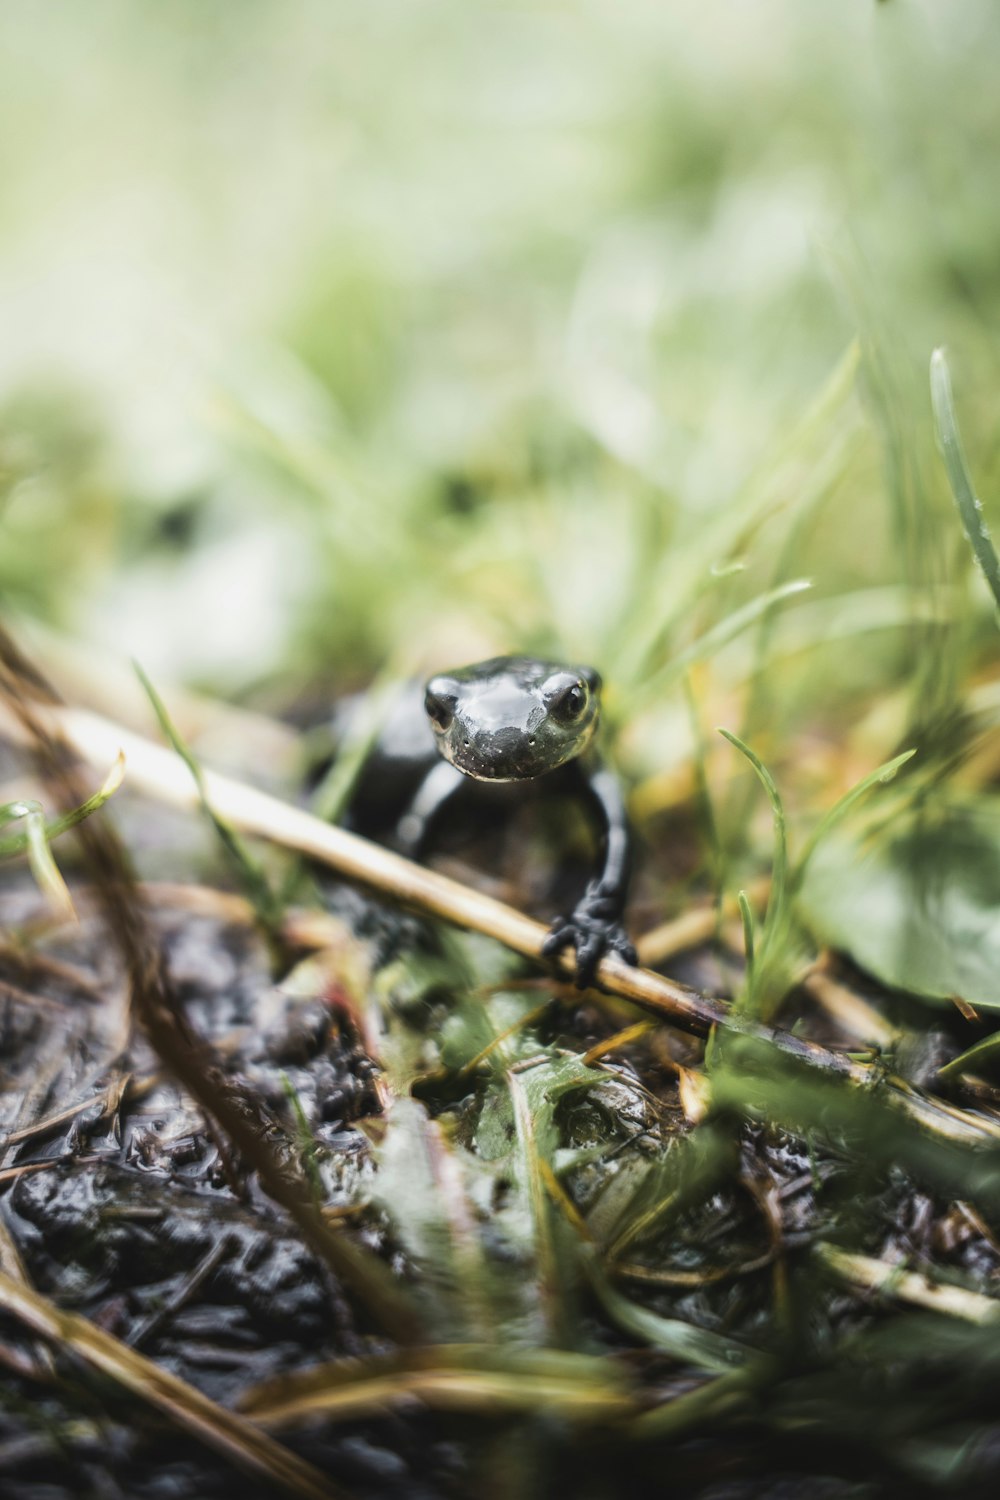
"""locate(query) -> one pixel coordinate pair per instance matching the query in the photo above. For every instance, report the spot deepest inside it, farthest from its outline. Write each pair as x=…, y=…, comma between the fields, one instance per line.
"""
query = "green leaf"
x=920, y=909
x=437, y=1194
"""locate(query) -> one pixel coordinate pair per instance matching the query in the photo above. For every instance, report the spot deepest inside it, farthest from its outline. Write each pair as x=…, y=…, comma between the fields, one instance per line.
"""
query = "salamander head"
x=513, y=717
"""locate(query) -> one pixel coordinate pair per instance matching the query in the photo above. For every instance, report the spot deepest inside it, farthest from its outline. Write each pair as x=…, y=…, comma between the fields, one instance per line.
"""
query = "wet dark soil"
x=121, y=1200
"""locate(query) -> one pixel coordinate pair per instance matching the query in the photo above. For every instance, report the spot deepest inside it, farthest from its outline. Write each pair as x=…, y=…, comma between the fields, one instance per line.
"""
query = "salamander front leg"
x=438, y=787
x=595, y=927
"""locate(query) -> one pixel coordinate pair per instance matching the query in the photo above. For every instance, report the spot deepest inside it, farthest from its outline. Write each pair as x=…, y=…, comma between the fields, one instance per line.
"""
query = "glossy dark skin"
x=518, y=719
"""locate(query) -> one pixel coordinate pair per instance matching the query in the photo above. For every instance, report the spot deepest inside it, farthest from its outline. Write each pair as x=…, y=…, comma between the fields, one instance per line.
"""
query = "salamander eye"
x=569, y=702
x=440, y=699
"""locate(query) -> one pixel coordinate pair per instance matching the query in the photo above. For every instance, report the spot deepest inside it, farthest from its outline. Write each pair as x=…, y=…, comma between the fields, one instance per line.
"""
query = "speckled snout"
x=513, y=718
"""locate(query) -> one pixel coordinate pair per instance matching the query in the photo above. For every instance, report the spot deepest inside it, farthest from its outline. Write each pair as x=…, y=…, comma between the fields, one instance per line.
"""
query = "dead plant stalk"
x=160, y=773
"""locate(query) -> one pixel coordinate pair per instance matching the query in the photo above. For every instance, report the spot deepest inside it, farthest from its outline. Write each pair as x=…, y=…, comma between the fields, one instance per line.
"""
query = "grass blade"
x=746, y=917
x=779, y=870
x=839, y=810
x=766, y=975
x=40, y=858
x=251, y=876
x=714, y=639
x=982, y=1052
x=17, y=843
x=970, y=507
x=683, y=1341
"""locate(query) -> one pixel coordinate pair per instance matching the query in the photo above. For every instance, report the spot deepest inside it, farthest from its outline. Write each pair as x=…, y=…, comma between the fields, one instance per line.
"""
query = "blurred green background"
x=337, y=336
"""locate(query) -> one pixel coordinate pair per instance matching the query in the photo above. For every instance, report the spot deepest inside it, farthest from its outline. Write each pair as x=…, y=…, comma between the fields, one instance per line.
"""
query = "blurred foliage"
x=919, y=908
x=463, y=328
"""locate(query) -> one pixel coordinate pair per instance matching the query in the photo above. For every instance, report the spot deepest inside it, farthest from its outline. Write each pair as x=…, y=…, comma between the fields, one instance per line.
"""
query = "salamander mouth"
x=479, y=772
x=504, y=756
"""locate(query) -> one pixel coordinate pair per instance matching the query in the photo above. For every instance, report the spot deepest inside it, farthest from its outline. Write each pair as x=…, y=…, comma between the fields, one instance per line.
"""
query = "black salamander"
x=510, y=719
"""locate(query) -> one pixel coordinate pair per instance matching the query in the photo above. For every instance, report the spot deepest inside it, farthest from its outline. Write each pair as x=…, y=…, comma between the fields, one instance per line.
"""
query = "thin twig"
x=885, y=1279
x=28, y=1168
x=109, y=1099
x=851, y=1012
x=233, y=1436
x=162, y=774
